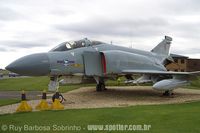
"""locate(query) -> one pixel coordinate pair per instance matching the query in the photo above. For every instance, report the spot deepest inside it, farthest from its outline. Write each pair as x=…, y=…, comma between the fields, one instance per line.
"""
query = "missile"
x=169, y=84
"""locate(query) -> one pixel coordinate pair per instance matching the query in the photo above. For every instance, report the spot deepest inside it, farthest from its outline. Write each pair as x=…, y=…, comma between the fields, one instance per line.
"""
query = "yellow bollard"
x=24, y=106
x=43, y=105
x=56, y=104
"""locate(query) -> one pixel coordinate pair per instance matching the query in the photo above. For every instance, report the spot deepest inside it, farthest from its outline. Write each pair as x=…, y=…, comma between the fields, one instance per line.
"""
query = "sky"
x=34, y=26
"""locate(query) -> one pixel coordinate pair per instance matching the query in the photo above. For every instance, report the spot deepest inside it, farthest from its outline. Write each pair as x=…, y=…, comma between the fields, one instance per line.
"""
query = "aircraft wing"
x=196, y=73
x=179, y=78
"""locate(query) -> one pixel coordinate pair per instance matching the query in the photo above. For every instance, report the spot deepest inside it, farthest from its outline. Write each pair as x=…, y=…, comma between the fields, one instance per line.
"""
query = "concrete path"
x=17, y=94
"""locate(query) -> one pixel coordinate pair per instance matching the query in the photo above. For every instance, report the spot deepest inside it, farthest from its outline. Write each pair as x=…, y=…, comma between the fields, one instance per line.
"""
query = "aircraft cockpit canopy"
x=65, y=46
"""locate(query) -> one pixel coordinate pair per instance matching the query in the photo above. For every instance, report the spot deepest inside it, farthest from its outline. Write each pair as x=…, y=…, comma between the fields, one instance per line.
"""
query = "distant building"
x=183, y=64
x=193, y=65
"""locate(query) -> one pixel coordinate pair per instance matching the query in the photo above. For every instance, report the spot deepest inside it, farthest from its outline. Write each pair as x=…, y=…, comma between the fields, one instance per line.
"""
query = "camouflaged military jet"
x=98, y=61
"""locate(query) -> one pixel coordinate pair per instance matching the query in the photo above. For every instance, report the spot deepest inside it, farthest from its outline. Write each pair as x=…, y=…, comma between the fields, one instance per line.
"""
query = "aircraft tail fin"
x=163, y=47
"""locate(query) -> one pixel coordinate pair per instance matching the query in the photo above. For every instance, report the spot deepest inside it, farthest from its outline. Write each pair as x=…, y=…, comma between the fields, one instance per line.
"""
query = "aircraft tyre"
x=168, y=93
x=61, y=98
x=100, y=87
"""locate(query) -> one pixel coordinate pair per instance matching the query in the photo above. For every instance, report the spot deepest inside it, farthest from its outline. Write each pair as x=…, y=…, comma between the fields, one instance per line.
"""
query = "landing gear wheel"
x=168, y=93
x=103, y=87
x=61, y=98
x=100, y=87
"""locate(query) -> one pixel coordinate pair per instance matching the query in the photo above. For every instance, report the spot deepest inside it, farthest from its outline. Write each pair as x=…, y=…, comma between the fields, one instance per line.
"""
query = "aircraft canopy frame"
x=65, y=46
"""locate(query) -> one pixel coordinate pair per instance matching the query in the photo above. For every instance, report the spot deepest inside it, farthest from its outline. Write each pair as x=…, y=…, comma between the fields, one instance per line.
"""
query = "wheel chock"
x=43, y=105
x=24, y=106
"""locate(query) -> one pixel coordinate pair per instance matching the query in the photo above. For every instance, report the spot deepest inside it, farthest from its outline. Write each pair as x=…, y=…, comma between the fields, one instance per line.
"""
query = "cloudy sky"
x=32, y=26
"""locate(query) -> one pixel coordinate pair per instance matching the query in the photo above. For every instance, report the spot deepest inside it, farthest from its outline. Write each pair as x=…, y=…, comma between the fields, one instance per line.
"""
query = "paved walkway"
x=17, y=94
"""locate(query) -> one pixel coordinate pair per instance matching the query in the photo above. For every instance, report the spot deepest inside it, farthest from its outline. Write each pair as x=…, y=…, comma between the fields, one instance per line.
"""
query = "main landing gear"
x=168, y=93
x=100, y=84
x=100, y=87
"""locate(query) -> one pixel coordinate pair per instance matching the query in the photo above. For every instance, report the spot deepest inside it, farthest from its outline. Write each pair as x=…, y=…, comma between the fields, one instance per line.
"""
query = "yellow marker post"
x=24, y=106
x=43, y=105
x=56, y=104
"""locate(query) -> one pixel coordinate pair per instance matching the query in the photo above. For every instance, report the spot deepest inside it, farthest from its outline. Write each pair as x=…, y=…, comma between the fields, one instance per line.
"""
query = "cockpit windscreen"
x=65, y=46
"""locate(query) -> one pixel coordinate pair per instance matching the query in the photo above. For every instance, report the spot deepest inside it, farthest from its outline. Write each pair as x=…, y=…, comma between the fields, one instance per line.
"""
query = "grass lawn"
x=41, y=83
x=32, y=84
x=38, y=83
x=183, y=118
x=195, y=84
x=174, y=118
x=8, y=101
x=4, y=72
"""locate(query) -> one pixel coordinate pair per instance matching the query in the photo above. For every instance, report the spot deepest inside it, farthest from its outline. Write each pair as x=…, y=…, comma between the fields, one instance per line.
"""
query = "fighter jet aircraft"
x=99, y=61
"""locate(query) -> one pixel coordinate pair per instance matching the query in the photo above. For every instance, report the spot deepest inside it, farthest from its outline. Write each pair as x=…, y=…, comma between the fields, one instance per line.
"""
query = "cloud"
x=188, y=51
x=28, y=25
x=116, y=27
x=3, y=49
x=21, y=44
x=187, y=29
x=181, y=7
x=62, y=12
x=8, y=14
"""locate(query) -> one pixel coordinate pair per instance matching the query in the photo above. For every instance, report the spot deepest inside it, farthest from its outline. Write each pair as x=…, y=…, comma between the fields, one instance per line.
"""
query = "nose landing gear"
x=54, y=86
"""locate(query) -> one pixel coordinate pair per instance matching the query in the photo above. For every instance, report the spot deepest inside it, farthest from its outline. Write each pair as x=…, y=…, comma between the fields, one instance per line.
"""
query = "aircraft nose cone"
x=31, y=65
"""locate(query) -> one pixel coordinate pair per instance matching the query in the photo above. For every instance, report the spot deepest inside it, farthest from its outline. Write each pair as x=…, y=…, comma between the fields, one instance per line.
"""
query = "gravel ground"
x=87, y=97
